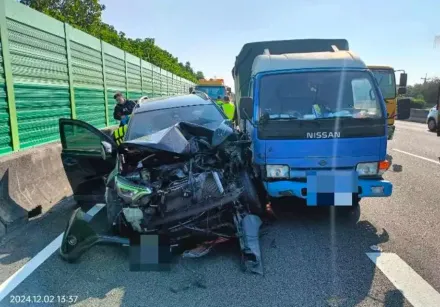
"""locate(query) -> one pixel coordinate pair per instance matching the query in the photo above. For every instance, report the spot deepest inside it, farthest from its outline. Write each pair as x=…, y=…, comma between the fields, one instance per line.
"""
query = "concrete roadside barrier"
x=418, y=115
x=31, y=183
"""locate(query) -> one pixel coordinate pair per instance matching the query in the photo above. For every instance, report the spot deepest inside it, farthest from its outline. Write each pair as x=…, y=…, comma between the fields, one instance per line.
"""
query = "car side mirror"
x=191, y=89
x=106, y=150
x=247, y=107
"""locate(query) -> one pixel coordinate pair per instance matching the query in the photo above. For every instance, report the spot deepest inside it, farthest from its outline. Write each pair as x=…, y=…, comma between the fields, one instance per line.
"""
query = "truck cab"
x=214, y=88
x=385, y=76
x=318, y=125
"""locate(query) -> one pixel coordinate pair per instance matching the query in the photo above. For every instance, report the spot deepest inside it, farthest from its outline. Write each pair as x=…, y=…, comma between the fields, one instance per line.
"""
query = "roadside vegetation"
x=86, y=15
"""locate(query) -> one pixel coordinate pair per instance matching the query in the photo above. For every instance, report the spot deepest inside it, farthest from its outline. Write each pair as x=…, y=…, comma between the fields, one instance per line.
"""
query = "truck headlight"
x=129, y=191
x=277, y=171
x=372, y=168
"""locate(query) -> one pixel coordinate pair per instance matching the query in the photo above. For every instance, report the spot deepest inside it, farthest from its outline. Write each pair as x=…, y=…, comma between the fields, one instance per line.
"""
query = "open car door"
x=88, y=156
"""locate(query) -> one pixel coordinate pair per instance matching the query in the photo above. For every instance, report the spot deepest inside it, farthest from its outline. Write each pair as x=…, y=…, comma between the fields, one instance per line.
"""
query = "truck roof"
x=343, y=59
x=385, y=67
x=244, y=60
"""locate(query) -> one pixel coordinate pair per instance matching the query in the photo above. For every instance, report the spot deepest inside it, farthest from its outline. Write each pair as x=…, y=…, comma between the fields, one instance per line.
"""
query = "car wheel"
x=431, y=124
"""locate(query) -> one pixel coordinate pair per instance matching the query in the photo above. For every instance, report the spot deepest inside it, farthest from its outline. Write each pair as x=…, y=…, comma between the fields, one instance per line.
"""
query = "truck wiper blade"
x=283, y=118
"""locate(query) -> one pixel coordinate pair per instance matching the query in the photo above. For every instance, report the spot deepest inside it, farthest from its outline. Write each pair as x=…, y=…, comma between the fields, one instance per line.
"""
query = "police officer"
x=123, y=108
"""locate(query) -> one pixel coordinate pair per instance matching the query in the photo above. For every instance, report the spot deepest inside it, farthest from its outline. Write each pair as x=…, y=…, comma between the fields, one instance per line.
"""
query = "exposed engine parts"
x=186, y=181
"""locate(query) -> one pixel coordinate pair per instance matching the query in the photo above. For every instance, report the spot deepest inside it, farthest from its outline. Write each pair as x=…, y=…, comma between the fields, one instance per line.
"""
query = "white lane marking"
x=415, y=289
x=416, y=156
x=15, y=279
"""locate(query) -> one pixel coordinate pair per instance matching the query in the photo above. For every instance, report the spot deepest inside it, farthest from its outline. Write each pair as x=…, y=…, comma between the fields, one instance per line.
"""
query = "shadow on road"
x=312, y=257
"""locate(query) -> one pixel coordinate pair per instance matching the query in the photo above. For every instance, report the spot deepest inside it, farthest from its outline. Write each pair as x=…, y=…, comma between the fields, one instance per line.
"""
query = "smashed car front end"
x=185, y=181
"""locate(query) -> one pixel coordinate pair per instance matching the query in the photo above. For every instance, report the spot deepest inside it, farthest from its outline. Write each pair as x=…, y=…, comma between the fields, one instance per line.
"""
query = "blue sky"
x=210, y=34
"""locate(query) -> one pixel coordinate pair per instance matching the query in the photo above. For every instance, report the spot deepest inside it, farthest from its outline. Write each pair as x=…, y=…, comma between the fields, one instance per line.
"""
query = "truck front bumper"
x=367, y=188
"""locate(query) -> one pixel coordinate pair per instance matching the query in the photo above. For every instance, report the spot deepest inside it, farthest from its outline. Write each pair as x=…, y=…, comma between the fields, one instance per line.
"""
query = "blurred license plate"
x=332, y=188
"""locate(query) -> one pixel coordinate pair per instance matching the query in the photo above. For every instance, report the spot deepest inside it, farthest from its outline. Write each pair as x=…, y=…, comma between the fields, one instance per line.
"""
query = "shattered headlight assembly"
x=372, y=168
x=129, y=191
x=277, y=171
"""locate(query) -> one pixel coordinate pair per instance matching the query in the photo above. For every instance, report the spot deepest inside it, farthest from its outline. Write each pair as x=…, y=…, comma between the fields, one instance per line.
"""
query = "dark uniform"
x=123, y=109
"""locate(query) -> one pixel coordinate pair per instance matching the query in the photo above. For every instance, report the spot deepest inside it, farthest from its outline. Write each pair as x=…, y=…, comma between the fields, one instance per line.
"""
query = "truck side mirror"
x=403, y=80
x=401, y=91
x=247, y=107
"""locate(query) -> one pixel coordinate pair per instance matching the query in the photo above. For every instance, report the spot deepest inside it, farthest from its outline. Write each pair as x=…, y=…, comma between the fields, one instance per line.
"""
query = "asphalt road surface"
x=388, y=254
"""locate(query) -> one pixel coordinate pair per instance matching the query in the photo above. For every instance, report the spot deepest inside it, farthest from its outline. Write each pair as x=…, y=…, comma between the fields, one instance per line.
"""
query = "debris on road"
x=376, y=248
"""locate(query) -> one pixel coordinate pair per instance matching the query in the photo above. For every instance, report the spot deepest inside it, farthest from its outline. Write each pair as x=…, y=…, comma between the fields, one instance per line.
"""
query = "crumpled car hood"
x=175, y=139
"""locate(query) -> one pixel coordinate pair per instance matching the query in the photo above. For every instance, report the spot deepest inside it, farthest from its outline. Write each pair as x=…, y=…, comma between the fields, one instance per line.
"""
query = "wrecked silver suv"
x=184, y=181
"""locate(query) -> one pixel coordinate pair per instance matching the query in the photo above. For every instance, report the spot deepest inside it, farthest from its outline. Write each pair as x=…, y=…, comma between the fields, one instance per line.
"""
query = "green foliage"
x=86, y=16
x=417, y=103
x=200, y=75
x=426, y=92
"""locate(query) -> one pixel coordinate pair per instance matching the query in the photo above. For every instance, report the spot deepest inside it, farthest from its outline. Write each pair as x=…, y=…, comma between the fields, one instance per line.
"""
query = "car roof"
x=159, y=103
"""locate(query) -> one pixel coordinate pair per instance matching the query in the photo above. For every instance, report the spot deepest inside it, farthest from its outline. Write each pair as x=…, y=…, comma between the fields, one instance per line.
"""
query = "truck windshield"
x=387, y=82
x=318, y=95
x=213, y=91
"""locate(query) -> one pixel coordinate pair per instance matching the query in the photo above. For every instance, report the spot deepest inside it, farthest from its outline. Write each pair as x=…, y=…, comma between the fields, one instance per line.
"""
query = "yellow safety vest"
x=228, y=108
x=119, y=134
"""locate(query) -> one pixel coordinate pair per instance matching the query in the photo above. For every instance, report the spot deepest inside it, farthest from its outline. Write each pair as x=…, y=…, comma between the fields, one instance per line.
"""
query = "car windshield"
x=213, y=91
x=317, y=95
x=387, y=82
x=150, y=122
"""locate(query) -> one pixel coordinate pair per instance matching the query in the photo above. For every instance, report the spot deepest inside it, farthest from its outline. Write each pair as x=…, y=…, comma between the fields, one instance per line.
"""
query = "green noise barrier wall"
x=50, y=70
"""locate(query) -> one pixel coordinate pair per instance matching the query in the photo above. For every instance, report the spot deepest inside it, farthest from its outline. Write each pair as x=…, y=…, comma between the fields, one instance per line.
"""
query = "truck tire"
x=250, y=195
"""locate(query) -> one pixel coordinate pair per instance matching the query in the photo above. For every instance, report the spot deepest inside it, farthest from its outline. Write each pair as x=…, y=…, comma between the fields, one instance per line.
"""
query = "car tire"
x=250, y=195
x=432, y=126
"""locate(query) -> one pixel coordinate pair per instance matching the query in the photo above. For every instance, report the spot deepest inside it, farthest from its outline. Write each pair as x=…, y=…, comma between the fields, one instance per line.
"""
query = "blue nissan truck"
x=316, y=118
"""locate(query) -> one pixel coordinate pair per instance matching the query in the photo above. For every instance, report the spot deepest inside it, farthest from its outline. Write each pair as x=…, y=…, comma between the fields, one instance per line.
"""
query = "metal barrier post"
x=9, y=80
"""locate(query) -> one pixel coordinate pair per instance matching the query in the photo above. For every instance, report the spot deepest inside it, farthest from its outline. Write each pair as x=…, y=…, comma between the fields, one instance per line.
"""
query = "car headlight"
x=129, y=191
x=277, y=171
x=372, y=168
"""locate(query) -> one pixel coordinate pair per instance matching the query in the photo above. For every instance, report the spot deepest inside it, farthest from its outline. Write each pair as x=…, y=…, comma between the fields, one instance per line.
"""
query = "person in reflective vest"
x=227, y=107
x=118, y=134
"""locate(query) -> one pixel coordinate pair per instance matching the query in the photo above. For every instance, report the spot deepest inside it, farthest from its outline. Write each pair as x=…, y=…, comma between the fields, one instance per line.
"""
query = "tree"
x=86, y=16
x=426, y=91
x=200, y=75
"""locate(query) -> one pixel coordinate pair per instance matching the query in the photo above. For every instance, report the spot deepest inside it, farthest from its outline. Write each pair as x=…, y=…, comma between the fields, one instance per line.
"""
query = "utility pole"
x=424, y=79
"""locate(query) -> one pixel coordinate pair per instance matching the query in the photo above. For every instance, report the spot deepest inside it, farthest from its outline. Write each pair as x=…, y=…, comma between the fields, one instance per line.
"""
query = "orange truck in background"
x=385, y=76
x=214, y=88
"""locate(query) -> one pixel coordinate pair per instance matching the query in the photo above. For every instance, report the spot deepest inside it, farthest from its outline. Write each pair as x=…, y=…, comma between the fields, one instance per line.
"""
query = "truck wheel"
x=250, y=195
x=431, y=125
